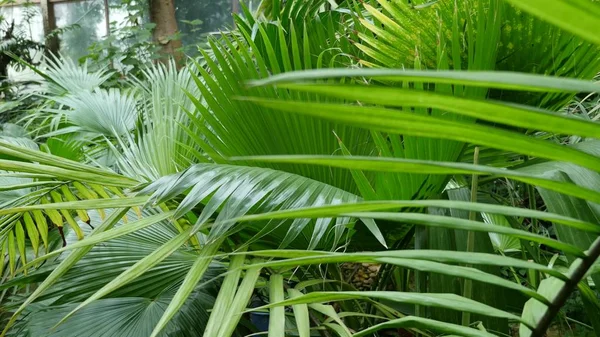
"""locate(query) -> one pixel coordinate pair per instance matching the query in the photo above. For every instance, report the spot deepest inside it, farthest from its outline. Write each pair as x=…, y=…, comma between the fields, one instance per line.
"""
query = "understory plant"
x=427, y=144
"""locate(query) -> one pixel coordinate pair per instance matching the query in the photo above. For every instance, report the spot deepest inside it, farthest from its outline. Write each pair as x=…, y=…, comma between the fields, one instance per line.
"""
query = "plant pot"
x=260, y=320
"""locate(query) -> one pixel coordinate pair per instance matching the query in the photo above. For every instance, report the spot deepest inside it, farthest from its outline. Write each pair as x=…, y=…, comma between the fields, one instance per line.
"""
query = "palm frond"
x=158, y=149
x=277, y=164
x=63, y=76
x=134, y=309
x=233, y=127
x=411, y=125
x=103, y=112
x=234, y=191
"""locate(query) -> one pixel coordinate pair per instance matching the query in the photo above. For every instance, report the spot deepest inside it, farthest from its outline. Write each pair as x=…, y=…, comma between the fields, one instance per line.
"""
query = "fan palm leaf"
x=134, y=309
x=233, y=127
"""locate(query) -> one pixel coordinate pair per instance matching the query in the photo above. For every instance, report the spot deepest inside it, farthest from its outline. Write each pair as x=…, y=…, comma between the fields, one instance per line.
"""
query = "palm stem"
x=468, y=285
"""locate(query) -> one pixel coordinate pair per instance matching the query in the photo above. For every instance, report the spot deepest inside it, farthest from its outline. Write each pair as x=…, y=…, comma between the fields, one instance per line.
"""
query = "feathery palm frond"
x=234, y=191
x=400, y=136
x=406, y=123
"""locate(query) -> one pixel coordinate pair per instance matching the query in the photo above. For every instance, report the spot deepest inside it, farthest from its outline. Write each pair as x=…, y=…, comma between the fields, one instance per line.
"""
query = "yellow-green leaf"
x=67, y=216
x=20, y=235
x=277, y=314
x=32, y=232
x=42, y=226
x=12, y=252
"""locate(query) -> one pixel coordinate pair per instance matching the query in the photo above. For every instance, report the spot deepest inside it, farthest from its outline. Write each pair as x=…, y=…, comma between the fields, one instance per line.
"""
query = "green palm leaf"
x=234, y=191
x=135, y=308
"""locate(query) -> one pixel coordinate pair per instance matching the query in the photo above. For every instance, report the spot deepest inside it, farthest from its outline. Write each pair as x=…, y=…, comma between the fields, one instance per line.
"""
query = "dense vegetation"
x=326, y=168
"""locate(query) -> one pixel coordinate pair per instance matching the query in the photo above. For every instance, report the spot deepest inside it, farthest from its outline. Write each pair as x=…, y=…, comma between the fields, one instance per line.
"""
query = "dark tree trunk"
x=162, y=13
x=49, y=25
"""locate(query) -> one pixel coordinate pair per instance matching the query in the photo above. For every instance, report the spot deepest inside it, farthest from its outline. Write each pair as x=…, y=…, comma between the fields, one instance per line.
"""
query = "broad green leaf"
x=449, y=301
x=502, y=243
x=578, y=208
x=276, y=314
x=122, y=316
x=425, y=324
x=225, y=297
x=189, y=284
x=487, y=79
x=42, y=226
x=494, y=111
x=103, y=112
x=572, y=207
x=432, y=167
x=300, y=314
x=229, y=322
x=534, y=310
x=408, y=123
x=383, y=205
x=303, y=257
x=579, y=17
x=234, y=191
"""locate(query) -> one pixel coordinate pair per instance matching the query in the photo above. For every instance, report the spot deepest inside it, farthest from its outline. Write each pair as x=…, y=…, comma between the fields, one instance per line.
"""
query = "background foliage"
x=334, y=168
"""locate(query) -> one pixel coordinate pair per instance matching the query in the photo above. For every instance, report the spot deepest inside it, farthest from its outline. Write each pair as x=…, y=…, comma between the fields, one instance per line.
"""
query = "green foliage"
x=16, y=42
x=128, y=48
x=468, y=193
x=201, y=18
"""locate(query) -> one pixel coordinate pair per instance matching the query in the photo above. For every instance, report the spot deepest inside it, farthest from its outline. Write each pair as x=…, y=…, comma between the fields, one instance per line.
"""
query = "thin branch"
x=563, y=294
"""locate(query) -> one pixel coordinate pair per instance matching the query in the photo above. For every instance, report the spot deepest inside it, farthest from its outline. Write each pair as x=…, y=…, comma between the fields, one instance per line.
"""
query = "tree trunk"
x=162, y=13
x=235, y=9
x=49, y=25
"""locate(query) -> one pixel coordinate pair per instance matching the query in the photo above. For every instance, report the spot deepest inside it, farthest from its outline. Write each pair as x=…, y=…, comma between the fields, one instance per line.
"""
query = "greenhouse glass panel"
x=83, y=23
x=18, y=25
x=198, y=18
x=27, y=19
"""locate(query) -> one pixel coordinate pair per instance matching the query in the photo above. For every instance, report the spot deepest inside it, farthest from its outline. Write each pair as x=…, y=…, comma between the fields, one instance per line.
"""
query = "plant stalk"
x=311, y=315
x=468, y=284
x=563, y=294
